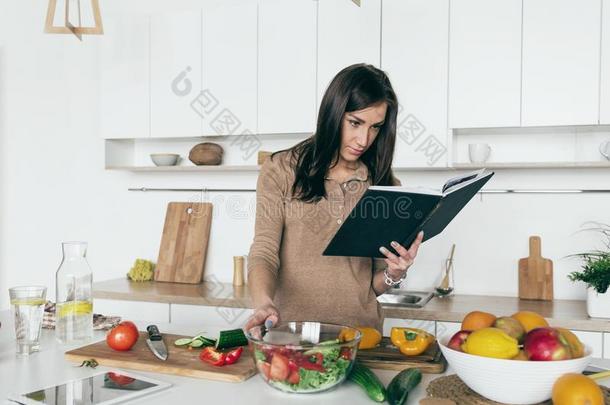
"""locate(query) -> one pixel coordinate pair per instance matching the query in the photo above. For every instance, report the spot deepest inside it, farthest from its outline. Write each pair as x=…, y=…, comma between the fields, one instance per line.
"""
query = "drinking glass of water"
x=28, y=310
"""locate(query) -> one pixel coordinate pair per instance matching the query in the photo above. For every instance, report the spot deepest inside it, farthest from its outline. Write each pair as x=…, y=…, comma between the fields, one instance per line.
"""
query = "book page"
x=462, y=180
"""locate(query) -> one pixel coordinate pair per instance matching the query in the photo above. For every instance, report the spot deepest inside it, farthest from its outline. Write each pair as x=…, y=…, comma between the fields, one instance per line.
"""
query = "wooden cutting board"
x=180, y=361
x=386, y=356
x=535, y=274
x=184, y=242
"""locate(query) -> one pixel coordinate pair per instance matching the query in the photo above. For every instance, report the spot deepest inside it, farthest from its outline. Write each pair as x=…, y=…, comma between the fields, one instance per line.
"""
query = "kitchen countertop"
x=48, y=367
x=571, y=314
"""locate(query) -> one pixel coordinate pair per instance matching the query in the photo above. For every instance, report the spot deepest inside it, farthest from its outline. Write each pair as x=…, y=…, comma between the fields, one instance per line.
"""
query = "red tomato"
x=279, y=367
x=294, y=377
x=123, y=336
x=264, y=368
x=131, y=325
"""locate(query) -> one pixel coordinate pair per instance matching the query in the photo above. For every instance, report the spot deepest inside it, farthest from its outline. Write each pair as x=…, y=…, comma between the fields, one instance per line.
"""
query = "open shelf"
x=210, y=168
x=533, y=165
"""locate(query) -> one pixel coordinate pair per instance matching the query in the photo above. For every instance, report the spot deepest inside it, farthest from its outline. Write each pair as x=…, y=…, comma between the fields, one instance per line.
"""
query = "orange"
x=530, y=320
x=478, y=320
x=576, y=389
x=576, y=347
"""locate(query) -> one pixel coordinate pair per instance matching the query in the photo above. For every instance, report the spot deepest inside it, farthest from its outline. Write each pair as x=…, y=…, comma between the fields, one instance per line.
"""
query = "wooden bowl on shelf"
x=206, y=153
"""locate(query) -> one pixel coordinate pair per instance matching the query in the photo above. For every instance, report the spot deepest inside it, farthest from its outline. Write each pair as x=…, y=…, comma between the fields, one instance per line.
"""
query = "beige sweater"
x=289, y=239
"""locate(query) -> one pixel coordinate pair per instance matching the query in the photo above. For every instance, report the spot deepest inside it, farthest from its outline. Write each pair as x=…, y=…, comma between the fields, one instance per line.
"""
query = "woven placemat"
x=452, y=387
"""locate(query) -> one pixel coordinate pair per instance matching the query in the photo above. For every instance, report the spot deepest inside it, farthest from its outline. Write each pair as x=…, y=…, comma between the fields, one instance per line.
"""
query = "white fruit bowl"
x=510, y=381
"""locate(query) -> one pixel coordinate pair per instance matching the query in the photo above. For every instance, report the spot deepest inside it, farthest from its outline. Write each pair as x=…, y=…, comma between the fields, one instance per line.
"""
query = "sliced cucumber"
x=196, y=343
x=183, y=341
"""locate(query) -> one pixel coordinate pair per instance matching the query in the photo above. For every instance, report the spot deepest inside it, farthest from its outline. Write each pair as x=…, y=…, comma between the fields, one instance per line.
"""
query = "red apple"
x=545, y=344
x=458, y=339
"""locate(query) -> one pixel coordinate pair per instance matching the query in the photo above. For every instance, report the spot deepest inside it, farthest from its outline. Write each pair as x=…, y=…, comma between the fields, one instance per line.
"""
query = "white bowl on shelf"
x=510, y=381
x=165, y=159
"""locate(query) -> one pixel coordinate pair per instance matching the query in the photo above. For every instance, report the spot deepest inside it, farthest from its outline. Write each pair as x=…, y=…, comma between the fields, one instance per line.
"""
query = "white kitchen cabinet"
x=347, y=34
x=124, y=76
x=229, y=67
x=153, y=312
x=485, y=68
x=175, y=73
x=594, y=340
x=414, y=53
x=447, y=329
x=604, y=102
x=205, y=316
x=561, y=55
x=286, y=66
x=389, y=323
x=606, y=348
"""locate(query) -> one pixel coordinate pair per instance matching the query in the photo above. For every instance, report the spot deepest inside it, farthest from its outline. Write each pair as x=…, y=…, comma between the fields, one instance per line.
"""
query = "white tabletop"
x=48, y=367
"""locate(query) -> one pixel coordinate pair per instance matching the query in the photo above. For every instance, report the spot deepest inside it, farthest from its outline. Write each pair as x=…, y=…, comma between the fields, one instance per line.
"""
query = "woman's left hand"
x=398, y=265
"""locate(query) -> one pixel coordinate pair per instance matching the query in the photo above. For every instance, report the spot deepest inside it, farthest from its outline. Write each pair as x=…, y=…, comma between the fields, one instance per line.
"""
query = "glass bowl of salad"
x=304, y=357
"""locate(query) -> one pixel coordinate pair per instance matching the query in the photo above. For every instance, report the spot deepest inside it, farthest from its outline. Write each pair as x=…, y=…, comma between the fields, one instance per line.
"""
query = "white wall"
x=53, y=186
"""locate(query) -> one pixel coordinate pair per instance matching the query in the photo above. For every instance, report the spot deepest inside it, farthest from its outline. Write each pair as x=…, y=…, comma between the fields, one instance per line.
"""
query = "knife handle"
x=153, y=333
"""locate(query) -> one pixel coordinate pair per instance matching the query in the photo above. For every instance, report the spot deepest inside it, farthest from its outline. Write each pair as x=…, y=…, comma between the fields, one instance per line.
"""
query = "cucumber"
x=365, y=378
x=206, y=341
x=196, y=343
x=402, y=384
x=231, y=338
x=183, y=341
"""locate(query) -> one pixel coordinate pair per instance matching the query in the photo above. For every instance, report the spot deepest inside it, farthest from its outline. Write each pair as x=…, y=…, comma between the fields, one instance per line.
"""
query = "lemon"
x=74, y=308
x=491, y=342
x=32, y=302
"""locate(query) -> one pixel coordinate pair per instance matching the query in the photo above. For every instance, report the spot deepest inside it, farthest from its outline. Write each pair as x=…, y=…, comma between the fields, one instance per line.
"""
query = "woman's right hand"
x=265, y=314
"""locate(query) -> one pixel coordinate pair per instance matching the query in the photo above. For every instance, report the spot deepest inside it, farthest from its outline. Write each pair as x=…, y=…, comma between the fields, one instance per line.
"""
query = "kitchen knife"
x=155, y=342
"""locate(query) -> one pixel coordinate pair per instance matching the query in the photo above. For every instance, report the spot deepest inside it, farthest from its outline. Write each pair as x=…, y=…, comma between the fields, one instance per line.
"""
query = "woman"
x=303, y=195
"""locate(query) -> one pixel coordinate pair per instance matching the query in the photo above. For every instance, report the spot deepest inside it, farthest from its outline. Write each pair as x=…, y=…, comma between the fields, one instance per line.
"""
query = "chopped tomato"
x=313, y=362
x=292, y=365
x=346, y=353
x=294, y=377
x=279, y=367
x=265, y=369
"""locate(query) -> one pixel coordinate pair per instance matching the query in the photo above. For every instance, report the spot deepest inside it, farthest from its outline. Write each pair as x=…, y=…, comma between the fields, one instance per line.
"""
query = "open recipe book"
x=387, y=213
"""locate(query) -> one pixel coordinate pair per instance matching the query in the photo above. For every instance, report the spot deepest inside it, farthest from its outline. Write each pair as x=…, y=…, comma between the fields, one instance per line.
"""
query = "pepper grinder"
x=238, y=271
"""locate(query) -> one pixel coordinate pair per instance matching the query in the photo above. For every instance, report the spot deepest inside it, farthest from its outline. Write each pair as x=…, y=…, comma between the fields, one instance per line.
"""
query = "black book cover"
x=382, y=216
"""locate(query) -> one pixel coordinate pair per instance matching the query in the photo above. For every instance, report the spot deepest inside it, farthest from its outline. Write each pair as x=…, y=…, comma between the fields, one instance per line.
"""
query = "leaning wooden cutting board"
x=184, y=243
x=535, y=274
x=386, y=356
x=180, y=361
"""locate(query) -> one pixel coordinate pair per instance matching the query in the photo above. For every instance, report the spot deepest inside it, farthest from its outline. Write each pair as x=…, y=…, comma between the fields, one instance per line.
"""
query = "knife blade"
x=155, y=342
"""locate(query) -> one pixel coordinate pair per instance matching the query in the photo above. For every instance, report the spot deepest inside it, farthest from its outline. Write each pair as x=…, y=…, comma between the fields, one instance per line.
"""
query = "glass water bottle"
x=74, y=304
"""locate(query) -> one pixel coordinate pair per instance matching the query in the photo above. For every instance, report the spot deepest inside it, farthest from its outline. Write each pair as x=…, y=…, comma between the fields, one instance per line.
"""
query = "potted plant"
x=596, y=274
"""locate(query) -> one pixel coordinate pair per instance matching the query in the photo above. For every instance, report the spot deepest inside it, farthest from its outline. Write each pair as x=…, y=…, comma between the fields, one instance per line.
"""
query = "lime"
x=74, y=308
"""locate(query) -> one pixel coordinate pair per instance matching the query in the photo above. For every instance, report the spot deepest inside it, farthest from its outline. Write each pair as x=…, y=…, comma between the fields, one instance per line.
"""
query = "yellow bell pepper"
x=370, y=337
x=411, y=341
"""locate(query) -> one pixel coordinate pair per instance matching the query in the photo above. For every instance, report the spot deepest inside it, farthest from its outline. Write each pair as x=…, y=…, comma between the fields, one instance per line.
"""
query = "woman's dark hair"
x=354, y=88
